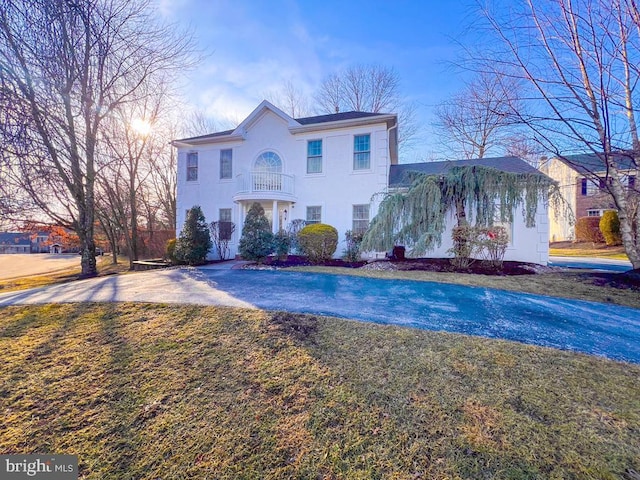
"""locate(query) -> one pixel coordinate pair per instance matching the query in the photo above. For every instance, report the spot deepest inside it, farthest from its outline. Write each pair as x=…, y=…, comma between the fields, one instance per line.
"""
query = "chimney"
x=337, y=109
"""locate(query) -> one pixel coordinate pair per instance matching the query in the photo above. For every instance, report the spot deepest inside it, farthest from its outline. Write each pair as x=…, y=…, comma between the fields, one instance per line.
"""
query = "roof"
x=208, y=135
x=586, y=163
x=398, y=174
x=10, y=238
x=336, y=117
x=296, y=125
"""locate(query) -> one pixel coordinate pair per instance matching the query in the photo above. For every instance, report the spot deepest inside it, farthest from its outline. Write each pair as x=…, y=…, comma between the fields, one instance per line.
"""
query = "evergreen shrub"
x=256, y=242
x=318, y=241
x=610, y=228
x=170, y=250
x=194, y=241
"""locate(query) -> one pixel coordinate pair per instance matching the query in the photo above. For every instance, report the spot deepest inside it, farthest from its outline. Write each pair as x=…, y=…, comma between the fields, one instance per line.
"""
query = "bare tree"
x=369, y=88
x=579, y=60
x=221, y=234
x=198, y=123
x=290, y=100
x=65, y=66
x=361, y=88
x=478, y=119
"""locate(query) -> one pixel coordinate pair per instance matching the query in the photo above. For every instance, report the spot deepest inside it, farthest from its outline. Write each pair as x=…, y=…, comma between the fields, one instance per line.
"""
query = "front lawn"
x=587, y=249
x=171, y=392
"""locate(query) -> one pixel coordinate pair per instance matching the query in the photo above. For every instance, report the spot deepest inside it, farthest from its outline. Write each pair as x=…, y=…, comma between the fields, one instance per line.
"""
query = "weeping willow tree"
x=482, y=195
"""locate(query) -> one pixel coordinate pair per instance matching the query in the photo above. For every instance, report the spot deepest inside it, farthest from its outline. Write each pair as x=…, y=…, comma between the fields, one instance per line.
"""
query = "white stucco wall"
x=526, y=245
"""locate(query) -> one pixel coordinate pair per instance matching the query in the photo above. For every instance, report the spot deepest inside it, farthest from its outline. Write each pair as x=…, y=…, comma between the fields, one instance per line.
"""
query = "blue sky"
x=254, y=47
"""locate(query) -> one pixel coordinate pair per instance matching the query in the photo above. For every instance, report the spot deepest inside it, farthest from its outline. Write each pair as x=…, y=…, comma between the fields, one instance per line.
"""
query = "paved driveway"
x=590, y=327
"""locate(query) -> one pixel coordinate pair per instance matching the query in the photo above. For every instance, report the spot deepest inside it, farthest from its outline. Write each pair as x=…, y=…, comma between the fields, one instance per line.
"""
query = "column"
x=275, y=217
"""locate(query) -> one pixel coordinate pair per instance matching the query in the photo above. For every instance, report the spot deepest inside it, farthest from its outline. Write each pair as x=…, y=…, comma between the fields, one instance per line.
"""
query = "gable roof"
x=337, y=117
x=398, y=174
x=586, y=163
x=295, y=125
x=207, y=136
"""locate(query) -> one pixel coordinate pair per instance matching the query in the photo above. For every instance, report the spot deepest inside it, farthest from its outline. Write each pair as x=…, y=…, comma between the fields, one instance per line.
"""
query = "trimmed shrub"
x=318, y=241
x=281, y=244
x=588, y=230
x=610, y=228
x=256, y=242
x=194, y=242
x=170, y=250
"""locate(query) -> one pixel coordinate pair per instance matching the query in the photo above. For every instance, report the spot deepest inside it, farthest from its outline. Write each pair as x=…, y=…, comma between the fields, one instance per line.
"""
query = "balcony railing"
x=265, y=182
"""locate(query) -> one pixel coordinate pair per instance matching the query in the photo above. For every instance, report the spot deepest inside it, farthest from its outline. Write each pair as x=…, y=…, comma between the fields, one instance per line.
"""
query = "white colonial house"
x=320, y=169
x=327, y=169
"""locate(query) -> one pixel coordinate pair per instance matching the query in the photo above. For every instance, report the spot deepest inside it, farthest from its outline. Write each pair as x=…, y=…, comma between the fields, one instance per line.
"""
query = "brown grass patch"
x=157, y=391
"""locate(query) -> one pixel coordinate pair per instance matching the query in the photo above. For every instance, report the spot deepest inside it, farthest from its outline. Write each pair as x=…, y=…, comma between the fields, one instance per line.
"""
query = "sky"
x=253, y=47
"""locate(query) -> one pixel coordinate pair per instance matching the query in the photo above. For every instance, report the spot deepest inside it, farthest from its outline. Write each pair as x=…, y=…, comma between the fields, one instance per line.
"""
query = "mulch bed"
x=425, y=264
x=624, y=280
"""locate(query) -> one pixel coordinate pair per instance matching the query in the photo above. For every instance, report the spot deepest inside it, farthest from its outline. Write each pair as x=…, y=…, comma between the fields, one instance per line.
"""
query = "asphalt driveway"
x=607, y=330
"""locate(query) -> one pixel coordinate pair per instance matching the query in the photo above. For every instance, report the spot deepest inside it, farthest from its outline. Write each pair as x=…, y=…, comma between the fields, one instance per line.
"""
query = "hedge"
x=588, y=230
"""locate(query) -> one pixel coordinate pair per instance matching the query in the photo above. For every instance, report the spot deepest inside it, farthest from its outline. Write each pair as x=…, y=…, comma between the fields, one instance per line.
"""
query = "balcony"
x=265, y=186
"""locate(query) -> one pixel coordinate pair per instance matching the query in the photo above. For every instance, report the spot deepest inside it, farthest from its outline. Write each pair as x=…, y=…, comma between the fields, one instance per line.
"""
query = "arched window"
x=268, y=162
x=267, y=172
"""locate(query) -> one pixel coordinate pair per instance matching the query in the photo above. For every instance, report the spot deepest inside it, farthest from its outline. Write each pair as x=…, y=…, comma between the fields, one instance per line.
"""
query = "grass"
x=571, y=249
x=560, y=284
x=177, y=392
x=104, y=263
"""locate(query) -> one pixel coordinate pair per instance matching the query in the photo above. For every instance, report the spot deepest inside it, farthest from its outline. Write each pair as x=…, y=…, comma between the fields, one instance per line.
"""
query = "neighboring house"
x=326, y=169
x=582, y=180
x=40, y=242
x=15, y=242
x=525, y=244
x=319, y=169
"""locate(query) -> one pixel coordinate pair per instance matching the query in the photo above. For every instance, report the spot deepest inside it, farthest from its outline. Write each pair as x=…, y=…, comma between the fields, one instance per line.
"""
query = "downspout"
x=389, y=153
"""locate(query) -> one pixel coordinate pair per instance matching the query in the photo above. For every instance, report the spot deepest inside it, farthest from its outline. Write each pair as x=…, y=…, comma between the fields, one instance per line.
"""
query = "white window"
x=224, y=223
x=360, y=218
x=594, y=213
x=192, y=166
x=314, y=214
x=314, y=156
x=592, y=188
x=362, y=152
x=226, y=164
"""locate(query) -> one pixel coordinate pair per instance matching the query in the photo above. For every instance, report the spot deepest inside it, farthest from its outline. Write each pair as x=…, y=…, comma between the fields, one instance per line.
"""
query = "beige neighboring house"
x=582, y=180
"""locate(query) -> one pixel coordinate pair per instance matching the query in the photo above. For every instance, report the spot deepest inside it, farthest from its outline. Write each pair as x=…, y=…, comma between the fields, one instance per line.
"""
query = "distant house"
x=11, y=242
x=582, y=182
x=525, y=244
x=40, y=242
